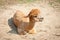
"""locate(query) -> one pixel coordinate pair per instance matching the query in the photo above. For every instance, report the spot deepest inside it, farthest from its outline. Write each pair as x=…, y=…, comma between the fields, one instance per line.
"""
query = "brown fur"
x=25, y=23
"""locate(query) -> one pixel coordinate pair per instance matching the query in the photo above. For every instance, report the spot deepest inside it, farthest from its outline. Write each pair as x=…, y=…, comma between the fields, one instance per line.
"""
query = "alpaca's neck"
x=31, y=22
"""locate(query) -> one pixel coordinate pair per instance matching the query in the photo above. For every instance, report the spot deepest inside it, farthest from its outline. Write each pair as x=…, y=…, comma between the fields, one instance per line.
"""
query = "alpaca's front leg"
x=33, y=31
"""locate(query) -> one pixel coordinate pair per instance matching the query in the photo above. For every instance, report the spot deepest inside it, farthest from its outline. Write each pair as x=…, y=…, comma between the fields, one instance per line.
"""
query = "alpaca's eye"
x=35, y=16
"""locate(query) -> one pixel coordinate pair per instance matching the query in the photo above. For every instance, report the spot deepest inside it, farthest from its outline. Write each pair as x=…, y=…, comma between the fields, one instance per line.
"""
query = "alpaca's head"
x=33, y=15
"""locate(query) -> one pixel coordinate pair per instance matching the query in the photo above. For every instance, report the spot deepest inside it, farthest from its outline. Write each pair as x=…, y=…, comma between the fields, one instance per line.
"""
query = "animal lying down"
x=25, y=24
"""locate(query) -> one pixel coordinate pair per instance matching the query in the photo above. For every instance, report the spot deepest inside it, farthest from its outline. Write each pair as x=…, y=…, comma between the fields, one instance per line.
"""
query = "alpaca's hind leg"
x=33, y=31
x=21, y=32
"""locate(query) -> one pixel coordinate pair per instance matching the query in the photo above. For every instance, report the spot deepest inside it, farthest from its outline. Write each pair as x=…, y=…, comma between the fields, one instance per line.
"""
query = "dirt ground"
x=48, y=29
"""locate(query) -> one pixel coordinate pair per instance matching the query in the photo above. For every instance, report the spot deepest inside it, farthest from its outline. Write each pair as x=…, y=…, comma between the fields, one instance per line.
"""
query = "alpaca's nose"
x=41, y=19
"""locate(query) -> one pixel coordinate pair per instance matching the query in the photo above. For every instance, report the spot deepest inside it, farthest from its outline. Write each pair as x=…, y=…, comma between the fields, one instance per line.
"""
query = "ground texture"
x=48, y=29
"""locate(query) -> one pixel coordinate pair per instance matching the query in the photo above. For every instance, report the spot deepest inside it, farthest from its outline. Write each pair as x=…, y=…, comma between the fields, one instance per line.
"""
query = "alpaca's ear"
x=29, y=15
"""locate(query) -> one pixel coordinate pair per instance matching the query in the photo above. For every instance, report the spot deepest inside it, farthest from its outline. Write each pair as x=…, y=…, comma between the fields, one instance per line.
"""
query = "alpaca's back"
x=19, y=19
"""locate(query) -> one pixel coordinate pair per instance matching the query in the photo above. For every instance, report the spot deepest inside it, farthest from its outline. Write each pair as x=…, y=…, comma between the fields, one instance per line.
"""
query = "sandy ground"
x=48, y=29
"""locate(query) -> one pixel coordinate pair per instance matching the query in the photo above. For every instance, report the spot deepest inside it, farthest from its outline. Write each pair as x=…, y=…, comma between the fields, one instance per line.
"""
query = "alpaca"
x=25, y=24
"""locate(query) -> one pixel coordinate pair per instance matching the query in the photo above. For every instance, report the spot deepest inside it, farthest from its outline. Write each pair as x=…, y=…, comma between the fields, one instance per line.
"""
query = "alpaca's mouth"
x=39, y=19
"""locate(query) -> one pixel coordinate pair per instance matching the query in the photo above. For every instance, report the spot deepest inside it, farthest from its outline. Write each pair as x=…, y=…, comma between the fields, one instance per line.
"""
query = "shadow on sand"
x=12, y=26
